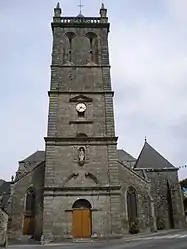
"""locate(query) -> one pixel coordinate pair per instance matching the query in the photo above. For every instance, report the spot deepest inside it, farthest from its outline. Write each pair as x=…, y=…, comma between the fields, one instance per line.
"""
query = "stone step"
x=83, y=241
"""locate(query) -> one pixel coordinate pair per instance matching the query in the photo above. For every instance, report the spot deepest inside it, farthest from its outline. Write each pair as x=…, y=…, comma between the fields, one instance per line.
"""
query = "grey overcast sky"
x=148, y=53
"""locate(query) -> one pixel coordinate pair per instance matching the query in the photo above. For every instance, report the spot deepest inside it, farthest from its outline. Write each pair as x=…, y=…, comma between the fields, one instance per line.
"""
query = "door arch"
x=82, y=219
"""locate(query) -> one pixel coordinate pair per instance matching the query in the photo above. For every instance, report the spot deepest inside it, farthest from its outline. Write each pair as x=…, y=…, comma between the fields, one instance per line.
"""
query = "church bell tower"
x=81, y=189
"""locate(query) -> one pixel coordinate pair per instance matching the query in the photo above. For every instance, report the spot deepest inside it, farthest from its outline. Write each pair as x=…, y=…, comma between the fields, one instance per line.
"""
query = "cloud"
x=178, y=9
x=149, y=64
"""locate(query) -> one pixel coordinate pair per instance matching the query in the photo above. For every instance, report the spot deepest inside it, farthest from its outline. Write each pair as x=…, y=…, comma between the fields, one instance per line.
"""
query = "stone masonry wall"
x=159, y=193
x=33, y=179
x=59, y=219
x=3, y=227
x=142, y=187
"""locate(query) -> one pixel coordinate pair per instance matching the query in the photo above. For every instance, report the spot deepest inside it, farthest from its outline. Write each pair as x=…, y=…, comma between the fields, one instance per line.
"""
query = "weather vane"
x=80, y=6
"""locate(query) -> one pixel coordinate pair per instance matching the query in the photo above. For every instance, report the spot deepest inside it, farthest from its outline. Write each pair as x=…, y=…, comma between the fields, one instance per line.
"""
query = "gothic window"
x=29, y=215
x=93, y=47
x=131, y=205
x=30, y=202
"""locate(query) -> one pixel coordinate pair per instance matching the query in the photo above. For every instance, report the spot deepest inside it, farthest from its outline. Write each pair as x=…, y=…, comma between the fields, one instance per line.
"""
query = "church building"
x=82, y=186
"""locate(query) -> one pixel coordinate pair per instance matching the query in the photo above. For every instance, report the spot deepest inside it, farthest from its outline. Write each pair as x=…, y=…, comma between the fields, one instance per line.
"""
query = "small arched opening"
x=82, y=219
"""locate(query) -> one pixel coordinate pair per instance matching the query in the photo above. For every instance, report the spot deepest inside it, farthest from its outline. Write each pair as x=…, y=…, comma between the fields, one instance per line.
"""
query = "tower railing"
x=82, y=19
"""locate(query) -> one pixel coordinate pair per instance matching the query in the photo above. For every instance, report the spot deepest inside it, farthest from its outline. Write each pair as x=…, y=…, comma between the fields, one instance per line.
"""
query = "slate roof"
x=126, y=158
x=5, y=188
x=149, y=158
x=1, y=182
x=141, y=173
x=37, y=156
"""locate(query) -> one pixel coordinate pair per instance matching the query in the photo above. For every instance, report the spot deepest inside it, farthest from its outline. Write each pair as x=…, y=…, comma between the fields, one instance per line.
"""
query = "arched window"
x=29, y=215
x=93, y=50
x=30, y=202
x=70, y=36
x=132, y=210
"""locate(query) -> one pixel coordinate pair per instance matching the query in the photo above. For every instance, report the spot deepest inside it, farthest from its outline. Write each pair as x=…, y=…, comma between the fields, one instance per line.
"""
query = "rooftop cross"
x=80, y=6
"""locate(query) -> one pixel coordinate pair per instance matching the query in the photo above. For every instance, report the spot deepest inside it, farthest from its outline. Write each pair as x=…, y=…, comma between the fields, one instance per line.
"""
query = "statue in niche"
x=81, y=155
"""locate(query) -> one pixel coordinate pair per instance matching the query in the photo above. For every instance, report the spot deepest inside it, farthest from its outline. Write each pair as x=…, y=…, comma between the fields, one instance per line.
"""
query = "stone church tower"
x=81, y=183
x=81, y=186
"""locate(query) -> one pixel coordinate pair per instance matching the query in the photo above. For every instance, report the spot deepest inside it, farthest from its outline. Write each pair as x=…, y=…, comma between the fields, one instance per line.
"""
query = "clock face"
x=81, y=107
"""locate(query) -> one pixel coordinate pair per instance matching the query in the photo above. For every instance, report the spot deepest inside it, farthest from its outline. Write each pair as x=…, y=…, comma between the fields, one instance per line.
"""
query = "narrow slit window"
x=91, y=49
x=70, y=49
x=81, y=114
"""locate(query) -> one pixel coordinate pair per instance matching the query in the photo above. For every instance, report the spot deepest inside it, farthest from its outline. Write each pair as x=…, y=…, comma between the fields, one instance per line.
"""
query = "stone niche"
x=3, y=228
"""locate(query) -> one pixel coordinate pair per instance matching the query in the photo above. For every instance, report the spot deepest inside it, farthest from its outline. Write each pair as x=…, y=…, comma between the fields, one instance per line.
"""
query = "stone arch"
x=82, y=203
x=91, y=35
x=70, y=35
x=92, y=177
x=132, y=209
x=73, y=175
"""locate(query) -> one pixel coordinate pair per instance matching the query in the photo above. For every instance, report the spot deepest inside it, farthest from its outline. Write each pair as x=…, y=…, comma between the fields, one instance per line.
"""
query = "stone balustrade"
x=80, y=19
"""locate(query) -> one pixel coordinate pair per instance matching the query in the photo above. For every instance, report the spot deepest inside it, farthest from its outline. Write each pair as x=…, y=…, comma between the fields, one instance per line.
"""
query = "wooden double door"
x=82, y=223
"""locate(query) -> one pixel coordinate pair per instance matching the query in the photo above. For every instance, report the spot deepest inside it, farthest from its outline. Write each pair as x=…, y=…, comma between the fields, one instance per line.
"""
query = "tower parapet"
x=66, y=21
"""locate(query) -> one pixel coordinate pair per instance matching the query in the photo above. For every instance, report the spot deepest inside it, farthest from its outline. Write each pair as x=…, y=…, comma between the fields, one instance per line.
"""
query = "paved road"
x=170, y=240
